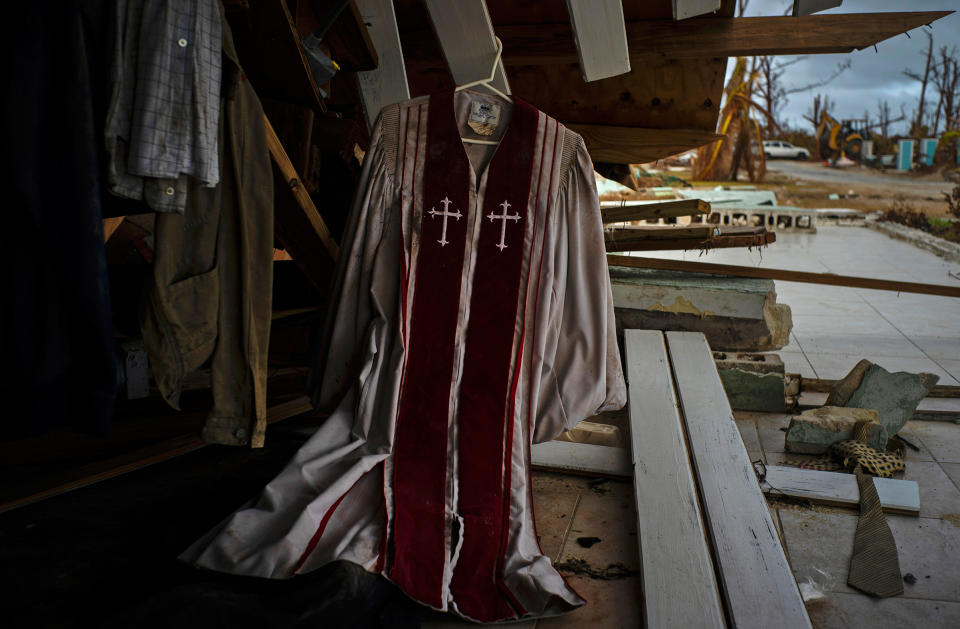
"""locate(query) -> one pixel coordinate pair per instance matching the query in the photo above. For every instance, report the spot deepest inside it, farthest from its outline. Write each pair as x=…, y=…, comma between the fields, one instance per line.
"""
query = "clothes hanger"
x=487, y=84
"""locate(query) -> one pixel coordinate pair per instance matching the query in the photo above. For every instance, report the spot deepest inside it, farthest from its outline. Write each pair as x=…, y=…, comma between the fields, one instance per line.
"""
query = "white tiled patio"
x=833, y=328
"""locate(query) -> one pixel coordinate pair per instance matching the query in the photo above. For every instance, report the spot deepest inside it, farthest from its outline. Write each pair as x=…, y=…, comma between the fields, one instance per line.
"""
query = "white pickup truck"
x=774, y=149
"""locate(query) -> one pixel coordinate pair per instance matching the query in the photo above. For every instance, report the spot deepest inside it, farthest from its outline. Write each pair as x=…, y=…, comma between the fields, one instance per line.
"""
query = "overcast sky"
x=873, y=76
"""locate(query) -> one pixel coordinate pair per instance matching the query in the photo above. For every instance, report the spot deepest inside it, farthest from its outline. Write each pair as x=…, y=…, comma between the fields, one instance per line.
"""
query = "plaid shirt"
x=165, y=104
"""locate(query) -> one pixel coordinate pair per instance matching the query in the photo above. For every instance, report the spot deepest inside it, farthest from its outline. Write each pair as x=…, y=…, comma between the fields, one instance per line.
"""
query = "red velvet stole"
x=486, y=404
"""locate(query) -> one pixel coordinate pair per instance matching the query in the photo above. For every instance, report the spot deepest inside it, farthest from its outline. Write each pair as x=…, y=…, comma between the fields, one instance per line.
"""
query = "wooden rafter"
x=635, y=145
x=299, y=226
x=547, y=44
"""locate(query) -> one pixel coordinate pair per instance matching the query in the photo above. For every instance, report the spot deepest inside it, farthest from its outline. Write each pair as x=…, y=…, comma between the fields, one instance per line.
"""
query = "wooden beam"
x=659, y=94
x=901, y=497
x=348, y=38
x=758, y=585
x=683, y=9
x=551, y=44
x=784, y=275
x=674, y=549
x=624, y=243
x=653, y=211
x=600, y=36
x=821, y=385
x=307, y=208
x=659, y=232
x=146, y=456
x=634, y=145
x=581, y=458
x=269, y=47
x=388, y=83
x=110, y=225
x=466, y=36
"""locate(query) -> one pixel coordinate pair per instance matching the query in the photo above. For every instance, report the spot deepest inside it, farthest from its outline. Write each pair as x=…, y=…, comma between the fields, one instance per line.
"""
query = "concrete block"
x=752, y=391
x=748, y=361
x=813, y=431
x=735, y=313
x=895, y=396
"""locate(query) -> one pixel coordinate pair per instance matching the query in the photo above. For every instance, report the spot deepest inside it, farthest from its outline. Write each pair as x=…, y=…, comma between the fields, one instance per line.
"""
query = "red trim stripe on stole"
x=420, y=448
x=485, y=387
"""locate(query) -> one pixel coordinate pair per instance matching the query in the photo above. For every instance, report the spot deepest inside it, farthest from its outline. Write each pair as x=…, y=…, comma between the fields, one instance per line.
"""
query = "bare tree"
x=918, y=125
x=771, y=89
x=884, y=118
x=821, y=105
x=945, y=77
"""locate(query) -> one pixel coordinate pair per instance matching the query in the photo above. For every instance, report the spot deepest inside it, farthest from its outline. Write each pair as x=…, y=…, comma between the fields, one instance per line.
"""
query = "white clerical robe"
x=472, y=316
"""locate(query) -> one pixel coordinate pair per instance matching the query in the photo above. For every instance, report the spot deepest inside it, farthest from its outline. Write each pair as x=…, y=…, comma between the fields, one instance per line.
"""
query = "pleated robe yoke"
x=472, y=316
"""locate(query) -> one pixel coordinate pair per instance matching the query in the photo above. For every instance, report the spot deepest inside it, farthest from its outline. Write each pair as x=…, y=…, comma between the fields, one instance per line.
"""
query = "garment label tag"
x=484, y=117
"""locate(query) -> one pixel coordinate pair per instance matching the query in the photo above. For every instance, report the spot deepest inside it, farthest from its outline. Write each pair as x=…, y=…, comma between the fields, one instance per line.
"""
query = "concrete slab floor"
x=819, y=540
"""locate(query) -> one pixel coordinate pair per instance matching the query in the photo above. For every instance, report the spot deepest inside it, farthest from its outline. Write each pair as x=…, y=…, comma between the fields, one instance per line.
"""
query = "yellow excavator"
x=836, y=139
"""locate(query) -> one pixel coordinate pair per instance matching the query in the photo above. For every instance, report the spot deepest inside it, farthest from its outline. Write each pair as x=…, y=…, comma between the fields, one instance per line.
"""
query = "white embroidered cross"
x=446, y=213
x=503, y=226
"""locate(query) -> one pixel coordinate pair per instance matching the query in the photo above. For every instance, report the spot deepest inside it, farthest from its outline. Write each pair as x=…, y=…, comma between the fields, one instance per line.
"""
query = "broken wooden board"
x=901, y=497
x=581, y=458
x=626, y=243
x=758, y=585
x=674, y=546
x=388, y=83
x=600, y=37
x=659, y=232
x=683, y=9
x=785, y=275
x=468, y=42
x=615, y=212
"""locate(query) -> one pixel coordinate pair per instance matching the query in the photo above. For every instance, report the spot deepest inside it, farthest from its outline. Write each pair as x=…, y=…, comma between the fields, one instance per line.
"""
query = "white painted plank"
x=388, y=83
x=679, y=585
x=583, y=458
x=466, y=35
x=601, y=37
x=834, y=488
x=682, y=9
x=807, y=7
x=757, y=582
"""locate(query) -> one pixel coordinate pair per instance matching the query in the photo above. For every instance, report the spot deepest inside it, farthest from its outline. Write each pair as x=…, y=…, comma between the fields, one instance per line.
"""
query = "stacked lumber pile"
x=627, y=235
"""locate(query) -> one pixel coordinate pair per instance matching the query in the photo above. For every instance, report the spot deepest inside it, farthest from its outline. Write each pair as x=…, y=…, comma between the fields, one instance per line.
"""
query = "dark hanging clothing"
x=58, y=362
x=210, y=294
